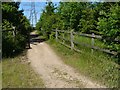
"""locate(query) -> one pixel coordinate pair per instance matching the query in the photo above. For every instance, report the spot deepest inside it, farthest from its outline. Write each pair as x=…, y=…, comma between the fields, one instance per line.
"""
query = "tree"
x=70, y=13
x=12, y=17
x=46, y=20
x=100, y=17
x=88, y=19
x=109, y=25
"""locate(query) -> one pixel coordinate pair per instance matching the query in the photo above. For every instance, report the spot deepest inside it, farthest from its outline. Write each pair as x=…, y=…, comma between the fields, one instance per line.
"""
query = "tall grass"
x=98, y=66
x=0, y=75
x=87, y=40
x=17, y=73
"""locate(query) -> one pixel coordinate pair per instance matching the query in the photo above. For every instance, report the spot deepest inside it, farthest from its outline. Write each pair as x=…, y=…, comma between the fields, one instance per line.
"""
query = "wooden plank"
x=88, y=35
x=54, y=30
x=7, y=30
x=117, y=41
x=112, y=40
x=56, y=35
x=92, y=42
x=96, y=32
x=77, y=50
x=97, y=48
x=83, y=44
x=65, y=44
x=64, y=31
x=61, y=31
x=63, y=38
x=70, y=47
x=106, y=51
x=97, y=37
x=71, y=39
x=87, y=45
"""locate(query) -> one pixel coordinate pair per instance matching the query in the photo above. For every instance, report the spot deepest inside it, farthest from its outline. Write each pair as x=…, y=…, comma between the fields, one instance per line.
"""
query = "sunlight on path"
x=53, y=71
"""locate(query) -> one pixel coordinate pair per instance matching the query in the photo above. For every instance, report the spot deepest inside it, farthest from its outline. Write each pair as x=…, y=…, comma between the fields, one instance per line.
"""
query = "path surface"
x=53, y=71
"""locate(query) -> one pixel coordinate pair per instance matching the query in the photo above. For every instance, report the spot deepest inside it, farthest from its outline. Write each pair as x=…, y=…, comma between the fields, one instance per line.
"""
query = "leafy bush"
x=102, y=18
x=13, y=39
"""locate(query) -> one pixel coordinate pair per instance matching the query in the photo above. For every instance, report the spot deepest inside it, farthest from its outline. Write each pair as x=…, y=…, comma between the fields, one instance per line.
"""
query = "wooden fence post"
x=14, y=33
x=56, y=35
x=63, y=37
x=71, y=39
x=92, y=42
x=28, y=38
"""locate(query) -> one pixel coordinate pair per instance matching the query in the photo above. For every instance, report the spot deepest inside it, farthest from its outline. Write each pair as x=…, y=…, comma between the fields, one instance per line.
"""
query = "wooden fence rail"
x=88, y=35
x=74, y=42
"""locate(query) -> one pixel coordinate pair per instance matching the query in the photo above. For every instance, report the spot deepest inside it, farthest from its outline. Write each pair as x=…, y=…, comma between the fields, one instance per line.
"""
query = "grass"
x=87, y=40
x=97, y=66
x=0, y=75
x=17, y=73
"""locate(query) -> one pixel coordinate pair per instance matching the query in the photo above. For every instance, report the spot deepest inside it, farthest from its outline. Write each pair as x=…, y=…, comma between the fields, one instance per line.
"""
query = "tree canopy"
x=13, y=18
x=85, y=17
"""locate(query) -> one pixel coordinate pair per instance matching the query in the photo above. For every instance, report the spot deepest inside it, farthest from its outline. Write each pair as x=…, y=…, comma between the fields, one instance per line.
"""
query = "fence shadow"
x=34, y=39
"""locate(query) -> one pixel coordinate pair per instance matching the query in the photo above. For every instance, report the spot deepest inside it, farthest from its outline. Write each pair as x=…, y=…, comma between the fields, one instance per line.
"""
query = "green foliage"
x=88, y=21
x=47, y=20
x=70, y=14
x=97, y=66
x=110, y=26
x=17, y=73
x=102, y=18
x=12, y=17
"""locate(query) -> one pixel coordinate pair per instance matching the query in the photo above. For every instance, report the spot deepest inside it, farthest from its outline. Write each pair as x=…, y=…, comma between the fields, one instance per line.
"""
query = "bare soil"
x=53, y=71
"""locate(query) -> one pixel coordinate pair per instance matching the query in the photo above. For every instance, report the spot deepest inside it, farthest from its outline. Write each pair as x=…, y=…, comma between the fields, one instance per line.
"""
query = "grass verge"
x=97, y=66
x=0, y=75
x=17, y=73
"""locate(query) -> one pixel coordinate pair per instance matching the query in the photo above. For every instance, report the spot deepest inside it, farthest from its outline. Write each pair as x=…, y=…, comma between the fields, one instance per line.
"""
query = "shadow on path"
x=34, y=39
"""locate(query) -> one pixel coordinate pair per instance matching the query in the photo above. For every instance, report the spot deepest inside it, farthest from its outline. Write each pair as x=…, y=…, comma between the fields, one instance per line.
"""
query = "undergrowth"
x=98, y=66
x=17, y=73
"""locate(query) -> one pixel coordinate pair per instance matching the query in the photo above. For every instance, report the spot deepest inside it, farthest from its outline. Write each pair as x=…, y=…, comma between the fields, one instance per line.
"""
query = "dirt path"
x=53, y=71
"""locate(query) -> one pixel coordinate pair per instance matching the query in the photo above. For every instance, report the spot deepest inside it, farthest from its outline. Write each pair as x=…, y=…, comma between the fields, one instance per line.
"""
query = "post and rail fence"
x=73, y=42
x=14, y=33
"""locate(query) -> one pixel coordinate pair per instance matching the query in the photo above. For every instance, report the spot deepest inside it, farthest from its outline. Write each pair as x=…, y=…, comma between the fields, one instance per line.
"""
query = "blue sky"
x=39, y=6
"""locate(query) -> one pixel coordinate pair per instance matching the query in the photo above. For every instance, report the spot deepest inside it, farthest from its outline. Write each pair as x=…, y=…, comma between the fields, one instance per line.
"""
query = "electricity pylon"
x=32, y=17
x=33, y=14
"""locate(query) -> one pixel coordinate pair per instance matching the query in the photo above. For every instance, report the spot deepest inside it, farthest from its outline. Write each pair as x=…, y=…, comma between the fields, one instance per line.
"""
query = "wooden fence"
x=13, y=30
x=14, y=33
x=73, y=41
